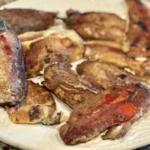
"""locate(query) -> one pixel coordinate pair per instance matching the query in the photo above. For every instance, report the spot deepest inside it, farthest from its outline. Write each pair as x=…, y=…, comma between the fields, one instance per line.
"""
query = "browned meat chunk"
x=69, y=87
x=97, y=25
x=119, y=105
x=56, y=47
x=138, y=35
x=23, y=20
x=112, y=55
x=38, y=106
x=106, y=75
x=12, y=74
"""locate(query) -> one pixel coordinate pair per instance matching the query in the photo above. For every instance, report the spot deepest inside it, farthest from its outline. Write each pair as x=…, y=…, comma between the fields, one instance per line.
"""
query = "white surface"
x=40, y=137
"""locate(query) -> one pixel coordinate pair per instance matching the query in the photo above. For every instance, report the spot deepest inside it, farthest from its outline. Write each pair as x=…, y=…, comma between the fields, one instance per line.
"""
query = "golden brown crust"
x=55, y=47
x=105, y=74
x=112, y=55
x=97, y=25
x=38, y=106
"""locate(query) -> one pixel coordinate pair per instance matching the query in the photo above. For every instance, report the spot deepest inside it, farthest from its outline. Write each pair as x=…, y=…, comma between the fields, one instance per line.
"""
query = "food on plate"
x=107, y=93
x=12, y=74
x=51, y=47
x=23, y=20
x=106, y=74
x=120, y=104
x=112, y=55
x=68, y=86
x=37, y=107
x=97, y=25
x=118, y=131
x=138, y=34
x=114, y=44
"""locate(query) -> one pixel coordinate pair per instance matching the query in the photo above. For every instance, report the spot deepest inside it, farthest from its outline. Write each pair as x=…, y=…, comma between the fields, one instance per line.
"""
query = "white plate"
x=40, y=137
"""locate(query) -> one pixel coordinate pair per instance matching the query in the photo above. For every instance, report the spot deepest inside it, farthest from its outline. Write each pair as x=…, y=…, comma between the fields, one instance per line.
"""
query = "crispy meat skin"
x=12, y=74
x=53, y=48
x=69, y=87
x=112, y=55
x=37, y=107
x=23, y=20
x=105, y=74
x=119, y=105
x=138, y=35
x=97, y=25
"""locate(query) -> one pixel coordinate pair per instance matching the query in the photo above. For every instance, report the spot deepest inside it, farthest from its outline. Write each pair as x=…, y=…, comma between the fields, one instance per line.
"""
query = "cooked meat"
x=30, y=36
x=138, y=14
x=37, y=107
x=136, y=52
x=119, y=105
x=97, y=25
x=23, y=20
x=106, y=74
x=56, y=47
x=117, y=131
x=112, y=55
x=114, y=44
x=69, y=87
x=12, y=74
x=138, y=35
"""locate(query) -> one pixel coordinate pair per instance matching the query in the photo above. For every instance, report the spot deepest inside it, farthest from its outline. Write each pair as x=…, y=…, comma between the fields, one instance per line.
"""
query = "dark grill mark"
x=142, y=25
x=122, y=76
x=47, y=60
x=34, y=113
x=148, y=46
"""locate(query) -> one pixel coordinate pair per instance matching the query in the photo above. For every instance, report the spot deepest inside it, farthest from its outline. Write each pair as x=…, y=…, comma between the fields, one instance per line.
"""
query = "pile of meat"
x=108, y=91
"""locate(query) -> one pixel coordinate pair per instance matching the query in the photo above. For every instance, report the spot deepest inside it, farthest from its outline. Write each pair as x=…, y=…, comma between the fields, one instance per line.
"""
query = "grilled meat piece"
x=114, y=44
x=97, y=25
x=119, y=105
x=138, y=35
x=56, y=47
x=12, y=74
x=112, y=55
x=138, y=14
x=106, y=75
x=23, y=20
x=69, y=87
x=117, y=131
x=37, y=107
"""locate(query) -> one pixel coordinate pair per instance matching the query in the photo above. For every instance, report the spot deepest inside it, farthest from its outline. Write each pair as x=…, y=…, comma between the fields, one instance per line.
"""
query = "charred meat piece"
x=12, y=74
x=119, y=105
x=138, y=35
x=120, y=130
x=138, y=14
x=56, y=47
x=114, y=44
x=139, y=44
x=105, y=74
x=37, y=107
x=112, y=55
x=23, y=20
x=137, y=52
x=97, y=25
x=69, y=87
